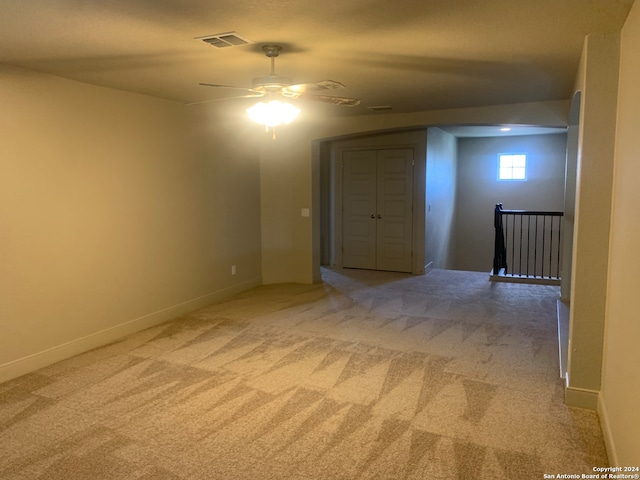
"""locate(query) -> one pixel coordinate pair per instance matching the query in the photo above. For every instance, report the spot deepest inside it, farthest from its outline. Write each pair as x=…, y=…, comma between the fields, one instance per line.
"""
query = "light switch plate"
x=305, y=212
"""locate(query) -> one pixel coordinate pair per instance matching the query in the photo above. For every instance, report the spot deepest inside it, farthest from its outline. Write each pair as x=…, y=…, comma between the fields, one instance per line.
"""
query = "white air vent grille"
x=380, y=108
x=222, y=40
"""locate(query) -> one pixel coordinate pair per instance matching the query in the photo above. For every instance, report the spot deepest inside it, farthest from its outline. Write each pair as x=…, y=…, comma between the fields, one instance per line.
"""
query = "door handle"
x=373, y=216
x=379, y=216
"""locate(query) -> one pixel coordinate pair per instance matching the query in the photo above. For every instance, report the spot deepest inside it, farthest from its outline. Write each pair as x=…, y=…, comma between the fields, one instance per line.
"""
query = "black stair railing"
x=499, y=251
x=529, y=241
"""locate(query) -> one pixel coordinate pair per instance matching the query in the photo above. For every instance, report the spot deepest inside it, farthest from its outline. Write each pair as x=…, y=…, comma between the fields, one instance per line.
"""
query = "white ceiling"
x=413, y=55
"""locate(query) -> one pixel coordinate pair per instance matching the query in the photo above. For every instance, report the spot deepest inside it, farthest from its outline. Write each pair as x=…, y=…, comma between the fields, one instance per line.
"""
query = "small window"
x=512, y=167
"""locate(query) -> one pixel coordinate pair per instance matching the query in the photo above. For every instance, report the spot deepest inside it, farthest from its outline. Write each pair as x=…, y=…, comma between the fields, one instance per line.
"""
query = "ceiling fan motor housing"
x=271, y=51
x=271, y=82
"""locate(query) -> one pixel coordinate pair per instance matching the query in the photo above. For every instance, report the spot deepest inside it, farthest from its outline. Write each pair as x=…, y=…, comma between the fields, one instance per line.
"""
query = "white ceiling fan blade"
x=347, y=102
x=255, y=95
x=313, y=87
x=275, y=85
x=230, y=86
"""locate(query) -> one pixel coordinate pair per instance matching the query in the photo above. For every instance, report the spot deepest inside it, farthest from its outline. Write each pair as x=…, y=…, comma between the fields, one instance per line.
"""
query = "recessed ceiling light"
x=505, y=129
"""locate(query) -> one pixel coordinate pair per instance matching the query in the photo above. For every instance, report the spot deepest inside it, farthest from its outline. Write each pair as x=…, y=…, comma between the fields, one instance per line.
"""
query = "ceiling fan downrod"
x=272, y=82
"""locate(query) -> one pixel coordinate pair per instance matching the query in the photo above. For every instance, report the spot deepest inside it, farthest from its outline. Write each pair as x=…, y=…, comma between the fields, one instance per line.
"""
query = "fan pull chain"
x=273, y=131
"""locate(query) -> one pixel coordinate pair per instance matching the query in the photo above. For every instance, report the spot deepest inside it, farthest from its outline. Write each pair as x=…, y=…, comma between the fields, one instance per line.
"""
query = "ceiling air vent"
x=222, y=40
x=380, y=108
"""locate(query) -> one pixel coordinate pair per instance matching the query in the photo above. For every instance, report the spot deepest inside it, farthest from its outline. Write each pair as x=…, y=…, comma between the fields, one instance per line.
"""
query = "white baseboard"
x=562, y=311
x=580, y=397
x=606, y=431
x=30, y=363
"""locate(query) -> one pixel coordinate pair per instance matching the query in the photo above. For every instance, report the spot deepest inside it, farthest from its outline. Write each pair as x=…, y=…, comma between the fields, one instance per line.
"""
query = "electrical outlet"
x=233, y=269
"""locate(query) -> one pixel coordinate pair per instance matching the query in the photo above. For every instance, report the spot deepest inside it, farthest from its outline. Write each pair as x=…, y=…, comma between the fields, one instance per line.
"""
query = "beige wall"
x=285, y=189
x=479, y=190
x=621, y=370
x=597, y=80
x=117, y=211
x=440, y=201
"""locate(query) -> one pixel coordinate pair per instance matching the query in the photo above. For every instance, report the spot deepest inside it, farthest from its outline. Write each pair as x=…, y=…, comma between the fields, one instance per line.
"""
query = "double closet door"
x=377, y=209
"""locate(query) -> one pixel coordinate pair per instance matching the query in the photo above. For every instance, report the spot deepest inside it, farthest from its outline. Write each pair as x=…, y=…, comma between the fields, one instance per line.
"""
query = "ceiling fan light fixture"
x=273, y=113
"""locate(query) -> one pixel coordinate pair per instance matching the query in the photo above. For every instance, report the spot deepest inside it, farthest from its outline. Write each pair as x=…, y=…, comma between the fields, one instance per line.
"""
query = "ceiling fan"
x=274, y=85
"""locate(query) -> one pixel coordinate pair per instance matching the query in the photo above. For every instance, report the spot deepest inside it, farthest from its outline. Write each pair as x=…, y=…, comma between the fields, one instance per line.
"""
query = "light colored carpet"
x=367, y=375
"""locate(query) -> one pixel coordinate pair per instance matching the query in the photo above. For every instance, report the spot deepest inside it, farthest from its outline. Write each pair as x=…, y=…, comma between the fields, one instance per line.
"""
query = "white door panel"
x=359, y=203
x=378, y=209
